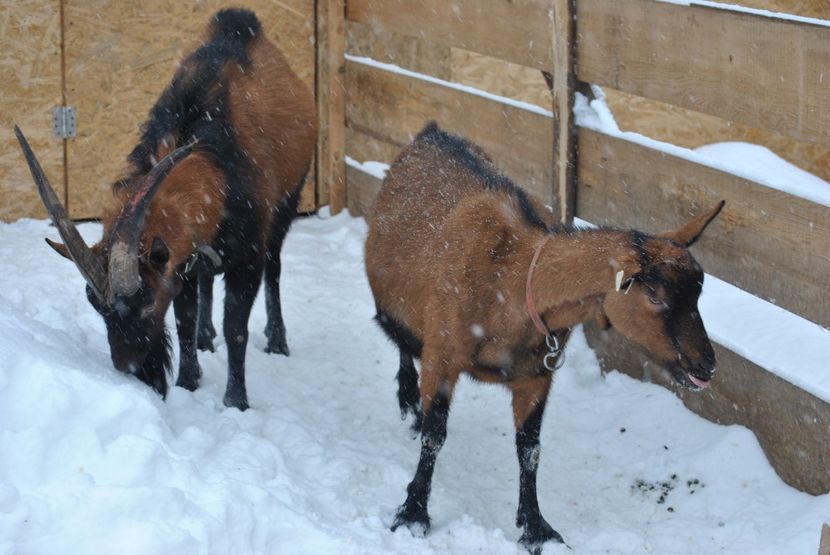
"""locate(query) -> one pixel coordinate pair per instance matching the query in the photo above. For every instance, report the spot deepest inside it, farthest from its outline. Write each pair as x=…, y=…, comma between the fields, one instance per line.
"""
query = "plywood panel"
x=767, y=242
x=121, y=55
x=30, y=72
x=394, y=108
x=395, y=48
x=517, y=31
x=755, y=70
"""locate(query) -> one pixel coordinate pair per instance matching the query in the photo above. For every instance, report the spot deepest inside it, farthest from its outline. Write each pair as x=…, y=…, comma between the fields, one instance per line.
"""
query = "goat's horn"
x=124, y=279
x=88, y=263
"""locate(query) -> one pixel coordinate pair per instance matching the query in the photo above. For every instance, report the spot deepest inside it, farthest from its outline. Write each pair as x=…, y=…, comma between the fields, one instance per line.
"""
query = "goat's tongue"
x=703, y=384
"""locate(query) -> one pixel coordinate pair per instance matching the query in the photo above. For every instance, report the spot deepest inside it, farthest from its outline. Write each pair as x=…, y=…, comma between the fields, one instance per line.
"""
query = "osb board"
x=30, y=73
x=790, y=424
x=755, y=70
x=806, y=8
x=402, y=50
x=518, y=31
x=767, y=242
x=121, y=55
x=394, y=108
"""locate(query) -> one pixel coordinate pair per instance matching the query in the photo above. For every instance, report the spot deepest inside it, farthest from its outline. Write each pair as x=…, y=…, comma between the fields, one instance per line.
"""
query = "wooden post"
x=331, y=103
x=824, y=546
x=564, y=129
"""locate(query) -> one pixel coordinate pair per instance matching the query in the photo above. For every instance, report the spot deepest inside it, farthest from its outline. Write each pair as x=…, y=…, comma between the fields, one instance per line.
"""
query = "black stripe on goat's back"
x=195, y=104
x=474, y=159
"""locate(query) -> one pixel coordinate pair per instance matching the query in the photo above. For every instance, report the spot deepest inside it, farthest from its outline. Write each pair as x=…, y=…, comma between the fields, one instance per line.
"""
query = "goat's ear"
x=159, y=254
x=60, y=248
x=691, y=230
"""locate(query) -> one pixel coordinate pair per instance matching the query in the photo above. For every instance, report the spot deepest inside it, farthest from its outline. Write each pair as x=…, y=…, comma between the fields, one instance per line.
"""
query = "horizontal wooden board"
x=763, y=72
x=393, y=108
x=361, y=190
x=517, y=31
x=767, y=242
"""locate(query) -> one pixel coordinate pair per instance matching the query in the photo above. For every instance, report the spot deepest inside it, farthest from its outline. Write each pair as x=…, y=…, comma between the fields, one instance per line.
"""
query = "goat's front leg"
x=529, y=400
x=206, y=332
x=241, y=285
x=185, y=308
x=437, y=386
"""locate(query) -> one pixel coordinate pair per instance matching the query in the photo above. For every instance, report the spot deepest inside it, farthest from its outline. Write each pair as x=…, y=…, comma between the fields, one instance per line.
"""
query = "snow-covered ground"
x=92, y=461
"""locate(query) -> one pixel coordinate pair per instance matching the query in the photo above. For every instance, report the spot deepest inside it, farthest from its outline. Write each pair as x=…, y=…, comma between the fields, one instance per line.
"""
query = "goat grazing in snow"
x=233, y=135
x=471, y=274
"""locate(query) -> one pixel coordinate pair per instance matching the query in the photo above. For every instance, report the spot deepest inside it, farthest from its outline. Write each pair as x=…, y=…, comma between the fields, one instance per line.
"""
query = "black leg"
x=529, y=401
x=157, y=364
x=241, y=287
x=275, y=327
x=408, y=395
x=206, y=332
x=413, y=513
x=185, y=306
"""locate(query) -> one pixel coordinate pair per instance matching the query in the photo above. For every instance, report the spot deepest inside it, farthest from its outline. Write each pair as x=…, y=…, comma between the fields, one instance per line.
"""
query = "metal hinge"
x=63, y=122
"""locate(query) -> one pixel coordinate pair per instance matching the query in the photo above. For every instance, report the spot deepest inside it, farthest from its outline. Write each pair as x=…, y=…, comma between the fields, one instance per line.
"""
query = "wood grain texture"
x=750, y=69
x=362, y=190
x=564, y=127
x=121, y=55
x=30, y=71
x=517, y=31
x=767, y=242
x=393, y=108
x=402, y=50
x=331, y=104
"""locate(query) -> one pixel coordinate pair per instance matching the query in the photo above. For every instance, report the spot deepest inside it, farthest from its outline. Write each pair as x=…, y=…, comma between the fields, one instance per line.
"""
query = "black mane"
x=474, y=160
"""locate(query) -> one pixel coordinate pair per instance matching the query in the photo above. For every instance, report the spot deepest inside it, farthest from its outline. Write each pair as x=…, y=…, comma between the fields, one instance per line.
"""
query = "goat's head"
x=130, y=285
x=654, y=302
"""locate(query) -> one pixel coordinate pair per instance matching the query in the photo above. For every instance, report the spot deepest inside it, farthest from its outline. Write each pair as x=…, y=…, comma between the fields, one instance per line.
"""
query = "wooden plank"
x=767, y=242
x=331, y=103
x=404, y=51
x=120, y=56
x=30, y=70
x=393, y=108
x=790, y=424
x=362, y=190
x=755, y=70
x=518, y=31
x=564, y=128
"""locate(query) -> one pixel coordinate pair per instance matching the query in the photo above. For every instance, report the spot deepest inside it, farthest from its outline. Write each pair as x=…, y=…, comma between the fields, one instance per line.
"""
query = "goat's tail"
x=235, y=24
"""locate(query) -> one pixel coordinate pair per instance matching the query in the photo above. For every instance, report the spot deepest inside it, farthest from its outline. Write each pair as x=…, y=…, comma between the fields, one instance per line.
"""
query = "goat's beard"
x=158, y=364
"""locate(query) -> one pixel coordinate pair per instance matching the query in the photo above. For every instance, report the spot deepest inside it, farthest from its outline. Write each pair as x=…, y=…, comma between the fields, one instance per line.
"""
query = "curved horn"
x=124, y=279
x=88, y=263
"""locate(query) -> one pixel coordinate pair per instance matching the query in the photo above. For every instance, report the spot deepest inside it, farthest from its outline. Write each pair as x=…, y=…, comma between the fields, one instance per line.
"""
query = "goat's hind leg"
x=206, y=332
x=436, y=395
x=275, y=327
x=241, y=285
x=185, y=308
x=409, y=398
x=529, y=400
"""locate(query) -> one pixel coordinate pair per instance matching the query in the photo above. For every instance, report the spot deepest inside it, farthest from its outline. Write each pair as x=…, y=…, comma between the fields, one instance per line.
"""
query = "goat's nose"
x=704, y=367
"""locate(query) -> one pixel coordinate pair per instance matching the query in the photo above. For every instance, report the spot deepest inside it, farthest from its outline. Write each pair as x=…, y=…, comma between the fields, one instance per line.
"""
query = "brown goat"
x=471, y=274
x=234, y=132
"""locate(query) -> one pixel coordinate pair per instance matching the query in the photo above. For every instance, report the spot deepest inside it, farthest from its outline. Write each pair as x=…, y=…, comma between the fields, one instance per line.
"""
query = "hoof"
x=205, y=344
x=189, y=379
x=236, y=401
x=415, y=519
x=277, y=348
x=535, y=537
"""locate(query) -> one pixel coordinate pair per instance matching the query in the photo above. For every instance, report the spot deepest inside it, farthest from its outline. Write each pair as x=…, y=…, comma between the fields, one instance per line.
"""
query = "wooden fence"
x=764, y=72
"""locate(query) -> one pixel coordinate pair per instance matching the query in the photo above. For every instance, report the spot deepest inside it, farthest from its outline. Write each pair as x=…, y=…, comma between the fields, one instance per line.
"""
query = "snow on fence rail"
x=746, y=67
